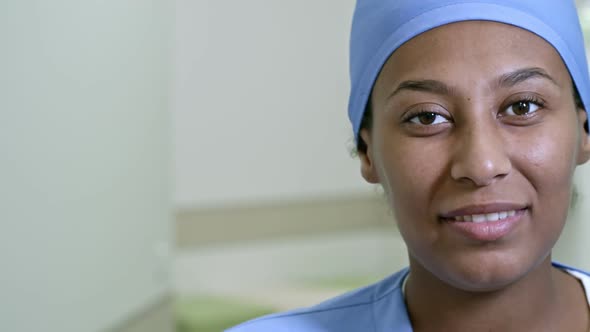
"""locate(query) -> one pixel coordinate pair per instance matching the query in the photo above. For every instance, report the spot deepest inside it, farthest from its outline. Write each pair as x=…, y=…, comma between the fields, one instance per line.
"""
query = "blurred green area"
x=213, y=314
x=216, y=313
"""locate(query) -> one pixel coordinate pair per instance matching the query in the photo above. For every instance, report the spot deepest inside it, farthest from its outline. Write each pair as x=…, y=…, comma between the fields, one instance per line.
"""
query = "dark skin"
x=472, y=114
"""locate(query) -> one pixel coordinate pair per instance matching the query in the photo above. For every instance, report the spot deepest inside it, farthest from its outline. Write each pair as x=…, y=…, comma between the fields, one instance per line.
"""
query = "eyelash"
x=411, y=115
x=530, y=99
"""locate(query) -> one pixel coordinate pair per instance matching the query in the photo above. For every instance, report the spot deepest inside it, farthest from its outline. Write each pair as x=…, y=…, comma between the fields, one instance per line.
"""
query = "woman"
x=470, y=115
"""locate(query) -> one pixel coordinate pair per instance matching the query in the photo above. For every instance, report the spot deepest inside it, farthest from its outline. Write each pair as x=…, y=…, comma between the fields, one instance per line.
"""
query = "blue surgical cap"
x=379, y=27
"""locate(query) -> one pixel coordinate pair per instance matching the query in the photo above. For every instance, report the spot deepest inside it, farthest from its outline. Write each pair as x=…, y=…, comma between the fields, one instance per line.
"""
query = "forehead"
x=470, y=51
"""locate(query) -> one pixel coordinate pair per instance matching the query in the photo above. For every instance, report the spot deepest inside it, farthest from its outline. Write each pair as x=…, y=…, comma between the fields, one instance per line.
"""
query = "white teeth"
x=478, y=218
x=495, y=216
x=492, y=216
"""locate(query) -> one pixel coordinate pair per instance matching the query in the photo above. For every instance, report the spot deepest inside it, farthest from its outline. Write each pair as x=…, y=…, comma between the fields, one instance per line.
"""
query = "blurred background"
x=185, y=165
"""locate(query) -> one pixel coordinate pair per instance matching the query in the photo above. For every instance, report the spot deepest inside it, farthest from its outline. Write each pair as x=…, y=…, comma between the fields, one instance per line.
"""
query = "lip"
x=483, y=209
x=489, y=231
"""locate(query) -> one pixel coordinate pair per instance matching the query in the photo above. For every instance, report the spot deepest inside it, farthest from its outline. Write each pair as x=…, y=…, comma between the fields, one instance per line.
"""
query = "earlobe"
x=584, y=153
x=367, y=162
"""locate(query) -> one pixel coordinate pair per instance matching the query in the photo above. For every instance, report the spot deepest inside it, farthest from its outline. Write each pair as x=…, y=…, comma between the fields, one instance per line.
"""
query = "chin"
x=487, y=272
x=482, y=282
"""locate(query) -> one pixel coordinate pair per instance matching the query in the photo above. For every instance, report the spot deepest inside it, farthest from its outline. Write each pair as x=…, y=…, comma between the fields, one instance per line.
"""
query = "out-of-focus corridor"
x=254, y=276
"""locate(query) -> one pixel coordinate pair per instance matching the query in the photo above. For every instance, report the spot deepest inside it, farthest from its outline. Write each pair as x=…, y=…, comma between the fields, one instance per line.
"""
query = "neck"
x=535, y=302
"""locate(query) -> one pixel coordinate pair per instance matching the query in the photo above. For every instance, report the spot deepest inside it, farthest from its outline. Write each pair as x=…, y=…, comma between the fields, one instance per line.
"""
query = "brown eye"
x=522, y=107
x=428, y=118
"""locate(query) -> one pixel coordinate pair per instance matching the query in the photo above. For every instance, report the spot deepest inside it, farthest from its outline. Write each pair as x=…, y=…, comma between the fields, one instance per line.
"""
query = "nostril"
x=480, y=172
x=480, y=154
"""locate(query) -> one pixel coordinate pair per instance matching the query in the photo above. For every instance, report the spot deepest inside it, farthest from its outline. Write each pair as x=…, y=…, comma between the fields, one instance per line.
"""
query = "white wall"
x=84, y=183
x=260, y=102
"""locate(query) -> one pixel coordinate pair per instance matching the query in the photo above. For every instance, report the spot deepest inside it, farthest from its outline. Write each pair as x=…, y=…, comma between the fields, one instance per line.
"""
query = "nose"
x=481, y=156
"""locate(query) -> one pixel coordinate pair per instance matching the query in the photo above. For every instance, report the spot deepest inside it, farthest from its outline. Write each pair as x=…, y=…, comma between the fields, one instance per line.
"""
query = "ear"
x=368, y=169
x=584, y=152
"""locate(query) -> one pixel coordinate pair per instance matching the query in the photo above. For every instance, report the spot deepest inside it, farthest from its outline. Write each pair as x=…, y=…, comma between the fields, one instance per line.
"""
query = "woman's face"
x=475, y=138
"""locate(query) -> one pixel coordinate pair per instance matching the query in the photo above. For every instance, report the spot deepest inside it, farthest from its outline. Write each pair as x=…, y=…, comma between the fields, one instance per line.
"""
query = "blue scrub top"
x=379, y=307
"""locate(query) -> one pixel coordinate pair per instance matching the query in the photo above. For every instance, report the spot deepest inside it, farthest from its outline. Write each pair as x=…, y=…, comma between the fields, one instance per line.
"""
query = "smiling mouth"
x=484, y=213
x=488, y=217
x=485, y=223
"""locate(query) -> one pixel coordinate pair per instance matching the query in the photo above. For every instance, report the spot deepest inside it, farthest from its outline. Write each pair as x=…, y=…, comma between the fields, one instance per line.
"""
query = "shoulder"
x=571, y=270
x=582, y=276
x=353, y=311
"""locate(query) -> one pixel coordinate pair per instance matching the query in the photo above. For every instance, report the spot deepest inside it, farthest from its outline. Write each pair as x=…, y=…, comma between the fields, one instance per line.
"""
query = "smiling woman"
x=468, y=114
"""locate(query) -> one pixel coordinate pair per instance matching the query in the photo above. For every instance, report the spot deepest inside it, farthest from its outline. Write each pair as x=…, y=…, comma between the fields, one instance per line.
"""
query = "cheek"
x=409, y=174
x=547, y=161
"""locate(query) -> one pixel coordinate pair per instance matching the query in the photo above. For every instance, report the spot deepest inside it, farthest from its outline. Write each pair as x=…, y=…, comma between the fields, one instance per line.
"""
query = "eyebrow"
x=518, y=76
x=506, y=80
x=431, y=86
